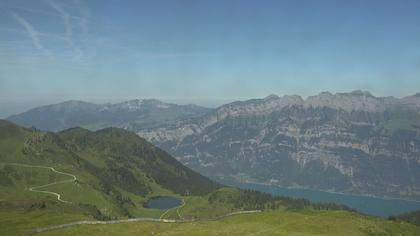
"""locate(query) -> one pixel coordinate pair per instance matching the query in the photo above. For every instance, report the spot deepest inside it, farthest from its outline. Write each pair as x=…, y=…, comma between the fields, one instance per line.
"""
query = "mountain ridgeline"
x=131, y=115
x=131, y=162
x=345, y=142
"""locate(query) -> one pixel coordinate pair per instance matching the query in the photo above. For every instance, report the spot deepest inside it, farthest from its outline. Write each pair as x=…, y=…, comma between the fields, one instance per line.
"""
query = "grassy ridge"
x=117, y=172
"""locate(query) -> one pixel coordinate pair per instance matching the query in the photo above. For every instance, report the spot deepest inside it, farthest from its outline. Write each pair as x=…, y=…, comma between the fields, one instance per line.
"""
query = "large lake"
x=368, y=205
x=163, y=202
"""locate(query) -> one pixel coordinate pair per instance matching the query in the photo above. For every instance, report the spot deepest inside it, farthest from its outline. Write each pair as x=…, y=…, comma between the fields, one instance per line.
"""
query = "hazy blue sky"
x=204, y=52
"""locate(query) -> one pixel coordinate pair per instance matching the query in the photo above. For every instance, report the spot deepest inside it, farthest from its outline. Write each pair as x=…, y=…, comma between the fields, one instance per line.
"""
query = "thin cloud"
x=47, y=13
x=173, y=54
x=78, y=54
x=68, y=28
x=83, y=25
x=76, y=42
x=32, y=33
x=83, y=20
x=37, y=11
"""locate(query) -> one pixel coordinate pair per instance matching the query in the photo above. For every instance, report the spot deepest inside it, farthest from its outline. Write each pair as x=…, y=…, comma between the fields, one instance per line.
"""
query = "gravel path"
x=87, y=222
x=35, y=188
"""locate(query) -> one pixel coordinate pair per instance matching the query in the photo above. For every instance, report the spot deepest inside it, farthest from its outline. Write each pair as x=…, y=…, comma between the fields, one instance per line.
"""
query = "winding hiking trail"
x=86, y=222
x=177, y=210
x=34, y=188
x=142, y=219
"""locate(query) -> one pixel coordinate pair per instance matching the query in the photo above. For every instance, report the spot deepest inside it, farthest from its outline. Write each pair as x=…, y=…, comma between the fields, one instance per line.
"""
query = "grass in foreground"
x=299, y=223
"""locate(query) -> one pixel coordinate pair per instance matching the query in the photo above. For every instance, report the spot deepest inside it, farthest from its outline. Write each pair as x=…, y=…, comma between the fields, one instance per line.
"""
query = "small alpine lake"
x=163, y=202
x=365, y=204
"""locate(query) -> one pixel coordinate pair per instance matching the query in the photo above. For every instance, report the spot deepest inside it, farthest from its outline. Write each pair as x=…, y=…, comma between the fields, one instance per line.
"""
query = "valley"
x=209, y=118
x=350, y=143
x=76, y=194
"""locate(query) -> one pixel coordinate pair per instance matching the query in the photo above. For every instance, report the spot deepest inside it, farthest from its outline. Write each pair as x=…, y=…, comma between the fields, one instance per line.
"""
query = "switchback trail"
x=86, y=222
x=34, y=188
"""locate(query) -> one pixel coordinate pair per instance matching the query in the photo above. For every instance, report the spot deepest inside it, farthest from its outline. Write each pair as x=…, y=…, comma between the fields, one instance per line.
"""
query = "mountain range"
x=345, y=142
x=110, y=175
x=132, y=115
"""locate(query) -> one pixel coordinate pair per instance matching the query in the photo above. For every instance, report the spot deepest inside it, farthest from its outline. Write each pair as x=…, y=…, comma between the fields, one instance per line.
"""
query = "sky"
x=204, y=52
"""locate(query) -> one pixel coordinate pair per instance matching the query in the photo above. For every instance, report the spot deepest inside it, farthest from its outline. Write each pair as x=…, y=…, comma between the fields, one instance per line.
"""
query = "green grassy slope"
x=299, y=223
x=411, y=217
x=134, y=160
x=117, y=172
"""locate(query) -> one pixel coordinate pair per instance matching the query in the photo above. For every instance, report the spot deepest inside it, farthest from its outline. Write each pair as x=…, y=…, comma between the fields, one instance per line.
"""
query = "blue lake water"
x=364, y=204
x=163, y=202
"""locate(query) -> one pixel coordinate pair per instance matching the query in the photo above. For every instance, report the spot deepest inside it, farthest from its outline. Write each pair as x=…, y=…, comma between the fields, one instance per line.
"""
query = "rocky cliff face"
x=345, y=142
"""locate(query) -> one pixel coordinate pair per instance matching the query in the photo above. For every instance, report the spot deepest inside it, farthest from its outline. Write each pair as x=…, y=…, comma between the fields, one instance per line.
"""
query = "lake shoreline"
x=366, y=204
x=163, y=202
x=331, y=191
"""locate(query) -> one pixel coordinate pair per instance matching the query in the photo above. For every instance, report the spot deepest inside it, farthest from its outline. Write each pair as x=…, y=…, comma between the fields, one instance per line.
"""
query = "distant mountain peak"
x=325, y=93
x=137, y=100
x=271, y=97
x=293, y=99
x=137, y=104
x=133, y=104
x=131, y=114
x=361, y=93
x=67, y=106
x=353, y=93
x=73, y=102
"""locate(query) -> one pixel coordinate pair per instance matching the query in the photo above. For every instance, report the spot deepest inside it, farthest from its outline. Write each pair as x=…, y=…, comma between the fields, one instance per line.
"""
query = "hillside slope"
x=116, y=173
x=49, y=179
x=411, y=217
x=302, y=223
